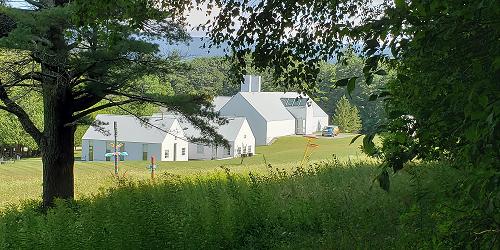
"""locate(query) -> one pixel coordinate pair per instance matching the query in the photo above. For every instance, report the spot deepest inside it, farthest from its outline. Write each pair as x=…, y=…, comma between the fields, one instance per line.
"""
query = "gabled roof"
x=268, y=104
x=130, y=129
x=229, y=130
x=220, y=101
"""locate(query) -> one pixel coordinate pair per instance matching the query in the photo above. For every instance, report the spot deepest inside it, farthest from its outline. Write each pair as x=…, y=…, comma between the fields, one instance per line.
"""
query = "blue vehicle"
x=330, y=131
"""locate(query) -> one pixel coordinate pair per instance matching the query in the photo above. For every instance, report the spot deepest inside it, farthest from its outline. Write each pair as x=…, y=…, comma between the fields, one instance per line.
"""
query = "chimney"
x=251, y=83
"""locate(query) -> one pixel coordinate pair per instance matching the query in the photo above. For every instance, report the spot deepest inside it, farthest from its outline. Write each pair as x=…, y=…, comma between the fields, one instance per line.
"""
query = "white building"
x=237, y=132
x=139, y=140
x=273, y=114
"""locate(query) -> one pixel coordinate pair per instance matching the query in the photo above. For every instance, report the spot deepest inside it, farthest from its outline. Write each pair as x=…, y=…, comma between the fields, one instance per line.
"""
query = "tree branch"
x=87, y=100
x=101, y=107
x=79, y=72
x=22, y=116
x=37, y=76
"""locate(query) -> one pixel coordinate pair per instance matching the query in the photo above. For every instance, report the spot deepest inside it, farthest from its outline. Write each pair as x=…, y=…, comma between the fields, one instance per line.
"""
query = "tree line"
x=212, y=76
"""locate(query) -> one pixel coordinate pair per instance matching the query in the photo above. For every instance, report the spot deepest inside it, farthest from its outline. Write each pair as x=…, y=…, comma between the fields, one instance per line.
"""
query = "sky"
x=194, y=17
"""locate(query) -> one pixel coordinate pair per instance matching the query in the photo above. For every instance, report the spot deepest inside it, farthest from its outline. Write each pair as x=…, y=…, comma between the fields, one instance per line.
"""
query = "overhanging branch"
x=100, y=107
x=22, y=116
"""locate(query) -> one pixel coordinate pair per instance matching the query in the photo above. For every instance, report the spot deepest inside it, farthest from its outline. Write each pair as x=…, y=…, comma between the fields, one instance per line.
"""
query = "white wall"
x=300, y=114
x=245, y=139
x=279, y=128
x=319, y=122
x=194, y=155
x=175, y=139
x=239, y=106
x=99, y=150
x=209, y=152
x=134, y=150
x=311, y=126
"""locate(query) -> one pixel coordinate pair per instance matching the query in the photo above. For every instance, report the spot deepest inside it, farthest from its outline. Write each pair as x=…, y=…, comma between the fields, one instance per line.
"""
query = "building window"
x=244, y=150
x=249, y=149
x=244, y=136
x=144, y=152
x=183, y=151
x=200, y=149
x=228, y=152
x=239, y=150
x=166, y=153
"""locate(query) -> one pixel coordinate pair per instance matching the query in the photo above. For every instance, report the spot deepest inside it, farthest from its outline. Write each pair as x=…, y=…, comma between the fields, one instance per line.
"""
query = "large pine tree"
x=83, y=56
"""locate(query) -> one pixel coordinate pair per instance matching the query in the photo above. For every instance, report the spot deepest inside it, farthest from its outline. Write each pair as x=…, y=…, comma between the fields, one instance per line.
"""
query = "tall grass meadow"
x=325, y=205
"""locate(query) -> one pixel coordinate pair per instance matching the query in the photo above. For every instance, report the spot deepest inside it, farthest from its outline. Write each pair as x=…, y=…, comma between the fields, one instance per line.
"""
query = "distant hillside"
x=195, y=49
x=191, y=50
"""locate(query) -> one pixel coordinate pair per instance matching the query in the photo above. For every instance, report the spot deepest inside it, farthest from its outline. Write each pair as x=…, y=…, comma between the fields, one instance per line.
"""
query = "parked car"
x=330, y=131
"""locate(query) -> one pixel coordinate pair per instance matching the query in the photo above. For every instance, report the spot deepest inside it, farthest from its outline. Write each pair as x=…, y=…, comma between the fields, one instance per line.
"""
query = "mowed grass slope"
x=22, y=180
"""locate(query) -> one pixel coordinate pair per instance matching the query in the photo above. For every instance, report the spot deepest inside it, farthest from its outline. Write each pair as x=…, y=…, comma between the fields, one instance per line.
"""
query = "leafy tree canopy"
x=444, y=101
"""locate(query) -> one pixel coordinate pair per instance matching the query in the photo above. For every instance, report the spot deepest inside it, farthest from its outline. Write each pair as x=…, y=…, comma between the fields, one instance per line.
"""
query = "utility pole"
x=116, y=146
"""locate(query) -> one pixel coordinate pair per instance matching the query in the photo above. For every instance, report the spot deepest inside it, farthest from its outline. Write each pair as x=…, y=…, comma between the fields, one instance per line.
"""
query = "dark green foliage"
x=444, y=102
x=292, y=38
x=346, y=116
x=326, y=205
x=329, y=90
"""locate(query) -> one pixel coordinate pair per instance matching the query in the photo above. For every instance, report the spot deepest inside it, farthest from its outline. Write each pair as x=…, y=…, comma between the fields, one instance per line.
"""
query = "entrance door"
x=300, y=126
x=91, y=153
x=175, y=151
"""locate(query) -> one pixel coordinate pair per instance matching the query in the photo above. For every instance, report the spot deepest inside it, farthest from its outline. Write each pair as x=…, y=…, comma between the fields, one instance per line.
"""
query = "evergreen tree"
x=347, y=116
x=81, y=57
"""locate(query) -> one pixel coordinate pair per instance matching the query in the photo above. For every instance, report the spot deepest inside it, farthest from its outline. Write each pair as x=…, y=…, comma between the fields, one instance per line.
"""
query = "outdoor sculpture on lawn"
x=116, y=146
x=310, y=146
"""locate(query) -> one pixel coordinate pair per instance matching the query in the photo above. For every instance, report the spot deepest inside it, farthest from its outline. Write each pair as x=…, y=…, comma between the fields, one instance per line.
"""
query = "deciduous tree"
x=444, y=101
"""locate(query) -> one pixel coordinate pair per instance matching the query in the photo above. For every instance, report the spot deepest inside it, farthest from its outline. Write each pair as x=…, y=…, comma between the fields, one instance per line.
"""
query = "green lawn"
x=22, y=180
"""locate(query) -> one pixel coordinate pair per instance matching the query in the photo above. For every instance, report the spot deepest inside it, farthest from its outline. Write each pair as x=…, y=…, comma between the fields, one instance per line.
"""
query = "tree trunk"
x=58, y=144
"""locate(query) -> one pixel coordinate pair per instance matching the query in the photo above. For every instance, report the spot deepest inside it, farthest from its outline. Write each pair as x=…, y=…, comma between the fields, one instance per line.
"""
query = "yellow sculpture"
x=310, y=147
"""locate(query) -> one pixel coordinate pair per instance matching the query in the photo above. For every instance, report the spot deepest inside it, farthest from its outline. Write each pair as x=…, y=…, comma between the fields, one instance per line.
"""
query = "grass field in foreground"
x=22, y=180
x=327, y=206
